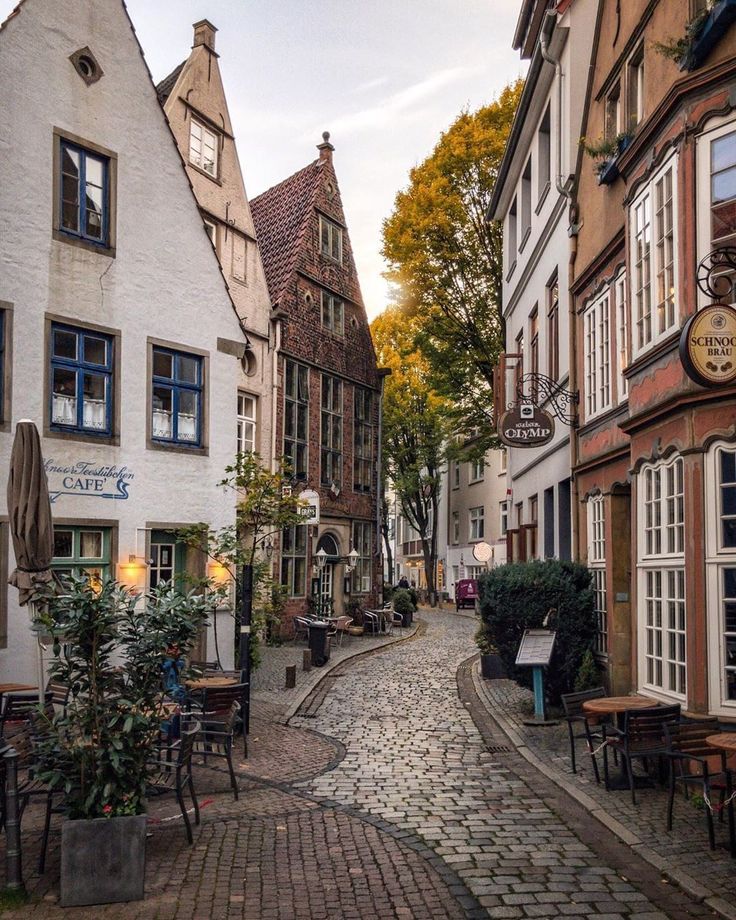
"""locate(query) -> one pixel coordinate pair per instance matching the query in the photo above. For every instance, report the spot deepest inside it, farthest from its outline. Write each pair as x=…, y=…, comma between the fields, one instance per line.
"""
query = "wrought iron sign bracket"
x=538, y=389
x=716, y=273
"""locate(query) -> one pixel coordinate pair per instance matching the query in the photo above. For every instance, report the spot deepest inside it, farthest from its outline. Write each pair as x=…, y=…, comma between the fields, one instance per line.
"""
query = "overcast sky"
x=385, y=77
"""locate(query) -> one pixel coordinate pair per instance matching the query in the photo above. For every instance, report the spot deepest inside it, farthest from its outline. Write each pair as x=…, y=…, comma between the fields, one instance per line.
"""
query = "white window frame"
x=455, y=527
x=596, y=509
x=476, y=523
x=334, y=233
x=649, y=271
x=503, y=514
x=477, y=470
x=247, y=423
x=717, y=128
x=659, y=617
x=718, y=558
x=198, y=145
x=597, y=345
x=621, y=307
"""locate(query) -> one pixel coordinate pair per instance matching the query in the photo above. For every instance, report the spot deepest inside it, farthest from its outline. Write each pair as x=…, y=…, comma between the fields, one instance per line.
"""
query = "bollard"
x=307, y=662
x=13, y=858
x=290, y=676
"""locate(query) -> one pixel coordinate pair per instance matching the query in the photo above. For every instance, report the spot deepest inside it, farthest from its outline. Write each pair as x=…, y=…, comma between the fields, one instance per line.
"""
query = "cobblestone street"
x=390, y=795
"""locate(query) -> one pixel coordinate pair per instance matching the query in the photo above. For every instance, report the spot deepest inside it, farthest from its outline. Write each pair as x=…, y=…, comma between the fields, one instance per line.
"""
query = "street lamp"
x=321, y=555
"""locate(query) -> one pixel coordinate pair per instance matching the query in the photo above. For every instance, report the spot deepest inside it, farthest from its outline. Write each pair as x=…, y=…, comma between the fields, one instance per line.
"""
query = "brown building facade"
x=328, y=394
x=654, y=455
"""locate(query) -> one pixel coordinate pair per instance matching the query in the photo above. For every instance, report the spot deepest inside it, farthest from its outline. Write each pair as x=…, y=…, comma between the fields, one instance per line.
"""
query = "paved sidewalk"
x=682, y=855
x=270, y=698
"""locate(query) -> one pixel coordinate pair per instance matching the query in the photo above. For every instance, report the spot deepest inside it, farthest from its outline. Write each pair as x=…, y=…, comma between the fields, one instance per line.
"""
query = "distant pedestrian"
x=403, y=582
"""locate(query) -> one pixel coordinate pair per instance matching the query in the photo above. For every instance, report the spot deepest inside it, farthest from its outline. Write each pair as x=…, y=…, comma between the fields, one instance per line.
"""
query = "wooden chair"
x=575, y=715
x=689, y=757
x=215, y=705
x=16, y=708
x=215, y=739
x=643, y=736
x=172, y=776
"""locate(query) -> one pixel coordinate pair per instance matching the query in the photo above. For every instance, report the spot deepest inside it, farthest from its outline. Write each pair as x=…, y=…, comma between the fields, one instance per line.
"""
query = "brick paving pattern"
x=683, y=850
x=380, y=800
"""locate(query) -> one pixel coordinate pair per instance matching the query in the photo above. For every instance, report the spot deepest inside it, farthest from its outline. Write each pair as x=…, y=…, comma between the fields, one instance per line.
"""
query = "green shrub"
x=388, y=592
x=519, y=595
x=414, y=597
x=403, y=602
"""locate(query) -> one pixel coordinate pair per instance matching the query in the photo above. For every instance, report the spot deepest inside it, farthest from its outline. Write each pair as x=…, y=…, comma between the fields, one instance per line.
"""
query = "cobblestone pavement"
x=415, y=759
x=383, y=799
x=683, y=853
x=277, y=703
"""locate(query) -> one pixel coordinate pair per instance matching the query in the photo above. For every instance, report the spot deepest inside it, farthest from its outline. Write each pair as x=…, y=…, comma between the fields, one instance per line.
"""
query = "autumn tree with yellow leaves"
x=415, y=431
x=445, y=260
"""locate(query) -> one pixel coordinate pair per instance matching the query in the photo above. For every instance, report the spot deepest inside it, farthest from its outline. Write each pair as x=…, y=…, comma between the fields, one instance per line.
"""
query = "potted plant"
x=355, y=612
x=606, y=152
x=491, y=665
x=96, y=752
x=404, y=605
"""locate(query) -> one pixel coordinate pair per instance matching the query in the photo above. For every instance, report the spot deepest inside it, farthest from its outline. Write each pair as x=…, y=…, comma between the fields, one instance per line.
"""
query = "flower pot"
x=103, y=860
x=408, y=618
x=491, y=667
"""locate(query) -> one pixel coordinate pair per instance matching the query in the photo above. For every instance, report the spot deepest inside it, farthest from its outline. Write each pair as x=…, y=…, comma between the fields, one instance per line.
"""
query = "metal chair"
x=688, y=756
x=172, y=776
x=215, y=739
x=575, y=714
x=215, y=705
x=16, y=708
x=371, y=622
x=643, y=736
x=341, y=627
x=301, y=628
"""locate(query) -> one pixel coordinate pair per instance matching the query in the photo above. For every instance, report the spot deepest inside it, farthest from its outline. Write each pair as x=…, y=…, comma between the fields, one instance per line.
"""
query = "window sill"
x=203, y=172
x=511, y=270
x=177, y=448
x=328, y=258
x=61, y=237
x=651, y=352
x=111, y=440
x=525, y=238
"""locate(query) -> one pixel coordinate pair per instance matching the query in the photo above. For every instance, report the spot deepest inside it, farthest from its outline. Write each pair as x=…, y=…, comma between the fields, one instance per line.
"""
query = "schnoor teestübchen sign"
x=526, y=425
x=708, y=346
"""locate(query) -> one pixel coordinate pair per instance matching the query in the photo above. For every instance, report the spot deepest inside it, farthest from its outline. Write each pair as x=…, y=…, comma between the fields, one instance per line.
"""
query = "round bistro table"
x=617, y=706
x=205, y=683
x=726, y=742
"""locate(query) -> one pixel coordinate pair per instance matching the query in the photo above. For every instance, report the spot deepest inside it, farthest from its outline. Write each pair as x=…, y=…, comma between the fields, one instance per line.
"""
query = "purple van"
x=466, y=593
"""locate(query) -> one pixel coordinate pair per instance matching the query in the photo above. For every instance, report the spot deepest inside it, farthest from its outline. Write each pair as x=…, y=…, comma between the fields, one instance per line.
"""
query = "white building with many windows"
x=532, y=198
x=119, y=338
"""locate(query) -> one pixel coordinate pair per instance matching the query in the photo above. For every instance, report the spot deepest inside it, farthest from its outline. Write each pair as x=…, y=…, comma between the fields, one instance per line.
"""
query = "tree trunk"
x=430, y=571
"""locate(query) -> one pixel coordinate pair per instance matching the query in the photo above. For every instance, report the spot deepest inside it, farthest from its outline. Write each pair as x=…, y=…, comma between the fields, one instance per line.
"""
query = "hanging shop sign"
x=309, y=506
x=708, y=346
x=526, y=425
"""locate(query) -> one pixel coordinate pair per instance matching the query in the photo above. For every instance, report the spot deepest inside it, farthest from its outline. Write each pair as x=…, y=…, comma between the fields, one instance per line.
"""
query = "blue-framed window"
x=84, y=189
x=176, y=416
x=81, y=380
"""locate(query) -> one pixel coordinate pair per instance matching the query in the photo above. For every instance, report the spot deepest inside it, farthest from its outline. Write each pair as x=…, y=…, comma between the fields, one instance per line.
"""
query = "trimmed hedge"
x=402, y=602
x=517, y=596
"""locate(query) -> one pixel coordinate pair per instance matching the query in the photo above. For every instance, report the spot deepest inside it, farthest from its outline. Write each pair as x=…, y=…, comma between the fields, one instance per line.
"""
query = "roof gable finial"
x=325, y=148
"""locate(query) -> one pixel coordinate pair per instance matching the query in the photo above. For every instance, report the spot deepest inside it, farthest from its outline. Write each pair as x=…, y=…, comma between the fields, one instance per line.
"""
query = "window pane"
x=730, y=617
x=188, y=369
x=94, y=400
x=95, y=350
x=187, y=417
x=70, y=162
x=65, y=345
x=64, y=400
x=729, y=533
x=94, y=171
x=90, y=544
x=161, y=423
x=724, y=186
x=162, y=364
x=729, y=583
x=63, y=544
x=723, y=152
x=728, y=466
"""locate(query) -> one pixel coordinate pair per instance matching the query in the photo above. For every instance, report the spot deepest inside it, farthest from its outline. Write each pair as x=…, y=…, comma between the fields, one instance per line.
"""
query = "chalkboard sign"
x=536, y=647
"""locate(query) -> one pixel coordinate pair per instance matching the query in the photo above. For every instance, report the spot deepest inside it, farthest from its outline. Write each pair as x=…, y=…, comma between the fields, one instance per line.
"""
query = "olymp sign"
x=526, y=426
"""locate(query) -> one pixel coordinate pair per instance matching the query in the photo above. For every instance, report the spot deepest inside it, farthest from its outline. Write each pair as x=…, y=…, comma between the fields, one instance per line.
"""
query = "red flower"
x=107, y=809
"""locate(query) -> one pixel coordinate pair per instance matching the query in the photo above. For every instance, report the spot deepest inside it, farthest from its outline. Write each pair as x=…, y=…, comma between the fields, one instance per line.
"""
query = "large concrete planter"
x=491, y=667
x=103, y=860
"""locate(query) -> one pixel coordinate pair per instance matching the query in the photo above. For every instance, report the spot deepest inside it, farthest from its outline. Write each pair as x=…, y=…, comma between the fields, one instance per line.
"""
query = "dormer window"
x=330, y=237
x=203, y=147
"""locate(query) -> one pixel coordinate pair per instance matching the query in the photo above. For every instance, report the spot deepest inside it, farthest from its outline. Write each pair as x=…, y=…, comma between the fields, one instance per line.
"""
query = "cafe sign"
x=88, y=479
x=309, y=506
x=708, y=346
x=526, y=425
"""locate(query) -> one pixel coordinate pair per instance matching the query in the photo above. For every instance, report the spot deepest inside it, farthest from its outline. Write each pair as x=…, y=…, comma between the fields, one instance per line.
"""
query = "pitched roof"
x=282, y=219
x=168, y=83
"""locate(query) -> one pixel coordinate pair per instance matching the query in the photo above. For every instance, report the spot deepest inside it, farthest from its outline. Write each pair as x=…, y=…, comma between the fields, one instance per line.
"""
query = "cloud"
x=386, y=112
x=371, y=84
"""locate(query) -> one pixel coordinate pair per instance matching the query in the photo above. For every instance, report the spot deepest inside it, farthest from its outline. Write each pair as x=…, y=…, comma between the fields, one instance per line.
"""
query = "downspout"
x=567, y=190
x=275, y=385
x=379, y=481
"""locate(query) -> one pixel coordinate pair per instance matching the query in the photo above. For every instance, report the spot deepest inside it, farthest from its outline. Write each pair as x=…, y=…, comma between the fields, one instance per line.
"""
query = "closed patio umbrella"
x=31, y=526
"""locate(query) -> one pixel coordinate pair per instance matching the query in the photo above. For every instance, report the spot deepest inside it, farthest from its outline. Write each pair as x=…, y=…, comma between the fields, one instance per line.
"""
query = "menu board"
x=536, y=647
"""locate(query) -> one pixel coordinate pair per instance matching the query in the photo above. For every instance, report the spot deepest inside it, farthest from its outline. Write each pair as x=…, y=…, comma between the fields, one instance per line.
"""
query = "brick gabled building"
x=328, y=387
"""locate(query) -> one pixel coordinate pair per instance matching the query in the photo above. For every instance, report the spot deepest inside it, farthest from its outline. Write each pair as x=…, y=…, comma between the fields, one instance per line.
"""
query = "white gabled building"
x=532, y=199
x=119, y=338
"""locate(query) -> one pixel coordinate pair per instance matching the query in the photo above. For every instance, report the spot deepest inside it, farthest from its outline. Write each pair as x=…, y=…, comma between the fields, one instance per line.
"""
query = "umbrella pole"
x=41, y=672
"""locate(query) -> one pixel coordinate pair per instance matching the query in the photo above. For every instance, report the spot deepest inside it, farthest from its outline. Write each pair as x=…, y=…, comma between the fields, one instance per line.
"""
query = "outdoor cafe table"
x=616, y=706
x=16, y=688
x=207, y=683
x=726, y=741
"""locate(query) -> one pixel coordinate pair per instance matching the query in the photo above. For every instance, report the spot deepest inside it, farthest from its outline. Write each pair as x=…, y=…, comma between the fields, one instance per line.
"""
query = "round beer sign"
x=526, y=425
x=708, y=346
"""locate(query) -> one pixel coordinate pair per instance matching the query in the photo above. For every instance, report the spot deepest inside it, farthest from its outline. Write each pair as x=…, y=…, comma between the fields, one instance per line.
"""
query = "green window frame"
x=83, y=550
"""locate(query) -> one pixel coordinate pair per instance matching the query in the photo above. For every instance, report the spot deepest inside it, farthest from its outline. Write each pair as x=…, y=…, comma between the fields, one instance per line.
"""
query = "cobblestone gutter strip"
x=574, y=806
x=314, y=695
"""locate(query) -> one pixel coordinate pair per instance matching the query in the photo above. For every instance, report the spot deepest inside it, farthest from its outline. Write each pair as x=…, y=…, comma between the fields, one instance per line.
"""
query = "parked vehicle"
x=466, y=593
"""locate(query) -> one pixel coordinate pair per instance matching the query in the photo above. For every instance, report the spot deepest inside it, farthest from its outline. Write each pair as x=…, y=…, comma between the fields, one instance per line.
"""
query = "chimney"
x=325, y=148
x=204, y=34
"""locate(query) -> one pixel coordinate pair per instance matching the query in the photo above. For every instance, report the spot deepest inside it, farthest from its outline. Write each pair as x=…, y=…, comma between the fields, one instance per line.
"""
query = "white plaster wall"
x=163, y=283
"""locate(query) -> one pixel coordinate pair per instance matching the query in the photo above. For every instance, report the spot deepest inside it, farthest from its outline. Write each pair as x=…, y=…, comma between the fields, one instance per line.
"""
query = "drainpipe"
x=567, y=190
x=383, y=373
x=277, y=315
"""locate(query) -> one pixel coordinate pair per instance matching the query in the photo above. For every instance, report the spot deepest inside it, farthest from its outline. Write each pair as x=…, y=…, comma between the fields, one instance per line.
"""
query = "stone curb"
x=331, y=665
x=691, y=886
